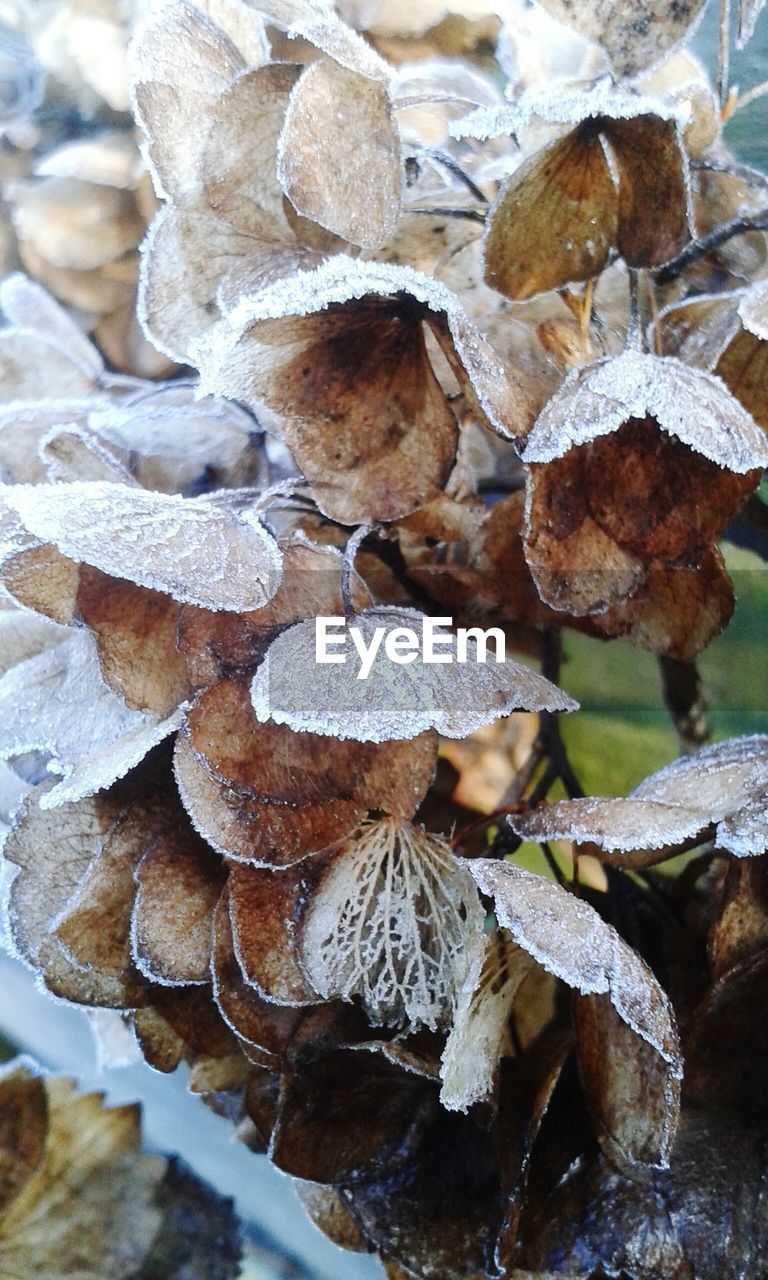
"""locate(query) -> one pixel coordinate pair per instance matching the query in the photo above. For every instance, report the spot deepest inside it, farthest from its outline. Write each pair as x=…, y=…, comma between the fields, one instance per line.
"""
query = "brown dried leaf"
x=246, y=830
x=263, y=1024
x=265, y=907
x=555, y=220
x=346, y=1115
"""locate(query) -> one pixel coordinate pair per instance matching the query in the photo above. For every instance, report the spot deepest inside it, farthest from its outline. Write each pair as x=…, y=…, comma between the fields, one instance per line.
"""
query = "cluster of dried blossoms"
x=460, y=347
x=75, y=196
x=79, y=1198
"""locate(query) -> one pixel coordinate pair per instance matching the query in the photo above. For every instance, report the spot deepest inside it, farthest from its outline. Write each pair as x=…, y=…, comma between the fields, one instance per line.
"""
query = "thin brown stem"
x=684, y=696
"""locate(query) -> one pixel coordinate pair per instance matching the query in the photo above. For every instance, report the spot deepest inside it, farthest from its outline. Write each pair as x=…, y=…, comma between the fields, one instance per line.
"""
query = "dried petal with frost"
x=635, y=1033
x=636, y=34
x=43, y=698
x=632, y=1093
x=186, y=255
x=250, y=831
x=179, y=883
x=338, y=354
x=653, y=191
x=260, y=1023
x=135, y=632
x=723, y=784
x=30, y=308
x=339, y=154
x=172, y=93
x=71, y=452
x=265, y=908
x=635, y=461
x=239, y=168
x=188, y=548
x=93, y=928
x=395, y=920
x=394, y=701
x=676, y=612
x=479, y=1034
x=40, y=578
x=272, y=764
x=53, y=853
x=617, y=181
x=182, y=1024
x=555, y=219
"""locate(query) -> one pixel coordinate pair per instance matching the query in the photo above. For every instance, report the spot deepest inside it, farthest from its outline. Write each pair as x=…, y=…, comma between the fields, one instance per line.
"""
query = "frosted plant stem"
x=348, y=564
x=723, y=52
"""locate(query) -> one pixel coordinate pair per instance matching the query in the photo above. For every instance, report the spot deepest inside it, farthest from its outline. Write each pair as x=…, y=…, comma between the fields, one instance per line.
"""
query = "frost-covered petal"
x=395, y=920
x=616, y=825
x=635, y=34
x=688, y=403
x=29, y=307
x=745, y=832
x=339, y=154
x=555, y=220
x=569, y=939
x=394, y=700
x=190, y=549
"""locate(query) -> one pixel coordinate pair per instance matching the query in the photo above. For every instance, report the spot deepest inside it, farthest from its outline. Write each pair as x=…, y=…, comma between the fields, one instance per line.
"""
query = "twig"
x=684, y=696
x=751, y=95
x=455, y=168
x=348, y=565
x=705, y=244
x=472, y=215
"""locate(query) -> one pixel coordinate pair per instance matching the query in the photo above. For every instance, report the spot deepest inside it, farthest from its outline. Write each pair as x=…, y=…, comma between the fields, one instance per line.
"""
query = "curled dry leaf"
x=394, y=700
x=569, y=939
x=396, y=920
x=192, y=550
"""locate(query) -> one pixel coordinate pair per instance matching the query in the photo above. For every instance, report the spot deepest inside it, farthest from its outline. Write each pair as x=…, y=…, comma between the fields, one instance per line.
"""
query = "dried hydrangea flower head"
x=77, y=193
x=447, y=355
